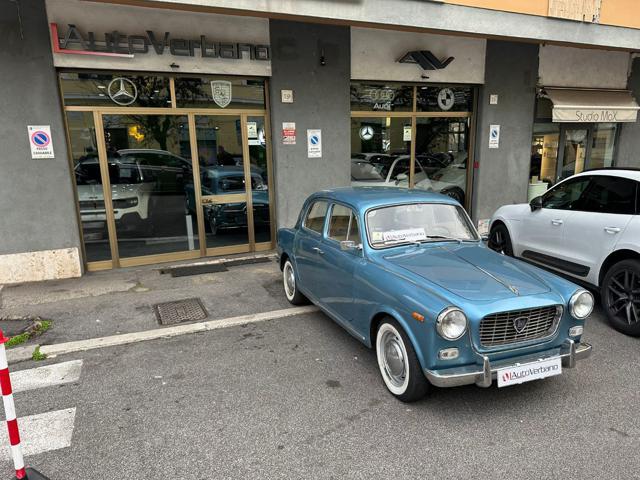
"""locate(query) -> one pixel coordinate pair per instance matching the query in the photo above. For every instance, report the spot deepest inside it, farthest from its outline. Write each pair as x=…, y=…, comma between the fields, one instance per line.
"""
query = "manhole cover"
x=188, y=310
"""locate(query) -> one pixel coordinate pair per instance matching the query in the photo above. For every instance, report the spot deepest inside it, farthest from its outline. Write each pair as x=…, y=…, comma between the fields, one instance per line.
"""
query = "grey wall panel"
x=37, y=210
x=502, y=178
x=321, y=100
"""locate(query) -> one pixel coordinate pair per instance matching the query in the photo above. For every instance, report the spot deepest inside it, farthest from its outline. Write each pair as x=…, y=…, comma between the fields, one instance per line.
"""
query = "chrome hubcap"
x=394, y=358
x=289, y=280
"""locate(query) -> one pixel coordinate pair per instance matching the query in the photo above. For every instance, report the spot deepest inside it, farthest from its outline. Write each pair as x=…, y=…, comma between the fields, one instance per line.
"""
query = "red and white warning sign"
x=288, y=133
x=40, y=141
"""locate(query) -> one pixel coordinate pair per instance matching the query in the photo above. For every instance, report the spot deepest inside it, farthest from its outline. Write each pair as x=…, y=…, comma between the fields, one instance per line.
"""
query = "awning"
x=592, y=106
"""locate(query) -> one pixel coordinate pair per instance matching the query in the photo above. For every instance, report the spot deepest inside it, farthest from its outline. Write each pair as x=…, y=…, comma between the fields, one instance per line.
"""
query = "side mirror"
x=348, y=246
x=536, y=203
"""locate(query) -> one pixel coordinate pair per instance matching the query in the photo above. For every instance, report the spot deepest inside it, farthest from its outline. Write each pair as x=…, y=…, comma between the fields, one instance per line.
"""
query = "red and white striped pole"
x=12, y=420
x=10, y=411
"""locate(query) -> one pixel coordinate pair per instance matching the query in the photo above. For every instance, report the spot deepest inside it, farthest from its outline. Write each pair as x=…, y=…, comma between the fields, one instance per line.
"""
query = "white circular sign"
x=366, y=132
x=122, y=91
x=446, y=99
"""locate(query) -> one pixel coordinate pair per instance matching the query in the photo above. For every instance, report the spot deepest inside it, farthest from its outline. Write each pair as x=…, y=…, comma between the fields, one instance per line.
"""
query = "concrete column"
x=321, y=100
x=502, y=178
x=628, y=154
x=39, y=237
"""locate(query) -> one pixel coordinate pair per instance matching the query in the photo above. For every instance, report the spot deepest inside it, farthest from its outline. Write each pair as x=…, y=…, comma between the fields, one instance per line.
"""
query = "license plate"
x=529, y=371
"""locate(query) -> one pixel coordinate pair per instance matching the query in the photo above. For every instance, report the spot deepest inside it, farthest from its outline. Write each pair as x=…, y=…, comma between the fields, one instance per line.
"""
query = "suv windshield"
x=418, y=222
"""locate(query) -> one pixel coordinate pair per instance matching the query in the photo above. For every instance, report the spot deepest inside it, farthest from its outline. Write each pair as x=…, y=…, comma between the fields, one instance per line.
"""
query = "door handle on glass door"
x=612, y=229
x=557, y=222
x=318, y=251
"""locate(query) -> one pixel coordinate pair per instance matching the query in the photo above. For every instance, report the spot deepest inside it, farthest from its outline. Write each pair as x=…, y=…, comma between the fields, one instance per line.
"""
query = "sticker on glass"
x=409, y=235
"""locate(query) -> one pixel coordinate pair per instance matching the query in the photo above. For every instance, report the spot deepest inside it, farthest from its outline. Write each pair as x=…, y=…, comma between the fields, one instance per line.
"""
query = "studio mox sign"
x=118, y=44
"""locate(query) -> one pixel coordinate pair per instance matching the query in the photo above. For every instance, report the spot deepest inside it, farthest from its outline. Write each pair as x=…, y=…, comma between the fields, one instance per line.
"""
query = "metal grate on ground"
x=187, y=310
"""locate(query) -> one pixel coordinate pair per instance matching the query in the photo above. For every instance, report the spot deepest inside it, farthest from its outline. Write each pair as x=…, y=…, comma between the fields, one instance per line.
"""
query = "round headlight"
x=581, y=304
x=451, y=323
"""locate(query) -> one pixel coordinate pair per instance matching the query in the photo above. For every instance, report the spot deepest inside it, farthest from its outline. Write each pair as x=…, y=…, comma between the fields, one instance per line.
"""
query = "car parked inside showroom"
x=405, y=272
x=586, y=227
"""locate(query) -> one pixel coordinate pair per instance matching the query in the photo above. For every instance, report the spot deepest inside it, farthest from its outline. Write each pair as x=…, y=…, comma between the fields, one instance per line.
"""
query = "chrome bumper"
x=484, y=375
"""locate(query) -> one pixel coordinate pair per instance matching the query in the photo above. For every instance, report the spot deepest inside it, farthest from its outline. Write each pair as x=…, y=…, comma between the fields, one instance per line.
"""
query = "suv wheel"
x=500, y=241
x=621, y=296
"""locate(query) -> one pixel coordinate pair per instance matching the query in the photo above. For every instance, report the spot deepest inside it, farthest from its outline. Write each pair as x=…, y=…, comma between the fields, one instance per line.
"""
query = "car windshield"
x=362, y=170
x=417, y=223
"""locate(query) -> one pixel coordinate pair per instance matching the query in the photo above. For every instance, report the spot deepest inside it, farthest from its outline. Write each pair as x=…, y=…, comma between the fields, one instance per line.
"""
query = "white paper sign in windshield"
x=409, y=235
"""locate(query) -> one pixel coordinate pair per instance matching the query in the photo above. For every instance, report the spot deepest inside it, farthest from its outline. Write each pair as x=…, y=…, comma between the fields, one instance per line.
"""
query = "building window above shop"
x=114, y=89
x=219, y=92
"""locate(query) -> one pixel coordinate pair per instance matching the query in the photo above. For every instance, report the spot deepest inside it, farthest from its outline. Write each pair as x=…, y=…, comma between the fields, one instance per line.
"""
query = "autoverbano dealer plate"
x=529, y=371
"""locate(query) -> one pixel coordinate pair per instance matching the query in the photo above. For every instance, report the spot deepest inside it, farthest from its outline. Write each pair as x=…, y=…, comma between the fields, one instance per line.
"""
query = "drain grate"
x=187, y=310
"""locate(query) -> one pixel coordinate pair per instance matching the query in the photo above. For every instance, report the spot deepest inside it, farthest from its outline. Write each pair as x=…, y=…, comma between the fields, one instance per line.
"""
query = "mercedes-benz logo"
x=122, y=91
x=366, y=132
x=520, y=323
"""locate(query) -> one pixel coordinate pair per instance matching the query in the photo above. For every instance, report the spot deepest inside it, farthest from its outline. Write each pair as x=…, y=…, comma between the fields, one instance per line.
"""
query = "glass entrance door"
x=234, y=178
x=574, y=146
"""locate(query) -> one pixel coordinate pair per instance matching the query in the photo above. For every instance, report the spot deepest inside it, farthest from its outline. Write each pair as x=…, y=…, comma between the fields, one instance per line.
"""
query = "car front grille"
x=499, y=328
x=91, y=204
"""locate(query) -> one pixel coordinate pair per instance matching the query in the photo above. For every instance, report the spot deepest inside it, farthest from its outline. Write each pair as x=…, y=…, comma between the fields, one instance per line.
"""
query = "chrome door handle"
x=612, y=229
x=557, y=222
x=318, y=251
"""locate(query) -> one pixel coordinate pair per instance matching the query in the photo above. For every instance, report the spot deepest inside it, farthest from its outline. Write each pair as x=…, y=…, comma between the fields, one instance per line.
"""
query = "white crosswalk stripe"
x=43, y=432
x=48, y=376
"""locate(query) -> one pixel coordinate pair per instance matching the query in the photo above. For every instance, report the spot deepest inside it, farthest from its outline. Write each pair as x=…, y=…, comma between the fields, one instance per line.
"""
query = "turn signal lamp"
x=417, y=316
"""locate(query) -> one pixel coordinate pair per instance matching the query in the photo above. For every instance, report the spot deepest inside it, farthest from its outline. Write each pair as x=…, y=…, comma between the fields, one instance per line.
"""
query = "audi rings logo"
x=122, y=91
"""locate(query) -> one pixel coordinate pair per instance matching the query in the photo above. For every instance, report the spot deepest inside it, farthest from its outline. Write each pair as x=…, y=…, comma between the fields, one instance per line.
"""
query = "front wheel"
x=500, y=241
x=621, y=296
x=398, y=363
x=290, y=286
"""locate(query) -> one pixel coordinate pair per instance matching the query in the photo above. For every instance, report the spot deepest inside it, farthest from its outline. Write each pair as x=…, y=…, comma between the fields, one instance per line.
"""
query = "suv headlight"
x=125, y=202
x=581, y=304
x=451, y=323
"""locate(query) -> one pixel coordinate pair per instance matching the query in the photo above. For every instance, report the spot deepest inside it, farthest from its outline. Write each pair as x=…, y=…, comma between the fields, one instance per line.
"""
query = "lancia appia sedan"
x=406, y=273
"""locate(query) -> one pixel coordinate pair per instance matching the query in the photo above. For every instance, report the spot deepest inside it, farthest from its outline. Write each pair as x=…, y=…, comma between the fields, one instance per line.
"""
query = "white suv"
x=587, y=227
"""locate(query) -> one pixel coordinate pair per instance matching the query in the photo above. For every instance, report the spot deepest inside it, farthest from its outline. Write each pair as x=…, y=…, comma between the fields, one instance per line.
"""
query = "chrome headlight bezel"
x=574, y=300
x=442, y=318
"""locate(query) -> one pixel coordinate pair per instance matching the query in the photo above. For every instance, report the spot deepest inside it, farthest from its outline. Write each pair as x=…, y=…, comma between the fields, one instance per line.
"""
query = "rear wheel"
x=500, y=241
x=398, y=363
x=620, y=293
x=290, y=286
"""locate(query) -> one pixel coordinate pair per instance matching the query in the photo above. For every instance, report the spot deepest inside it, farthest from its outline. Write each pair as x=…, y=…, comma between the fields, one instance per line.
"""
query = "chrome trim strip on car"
x=483, y=376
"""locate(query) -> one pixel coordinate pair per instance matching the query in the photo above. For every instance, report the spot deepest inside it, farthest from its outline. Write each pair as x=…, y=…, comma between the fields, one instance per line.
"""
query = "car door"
x=338, y=266
x=597, y=222
x=540, y=233
x=307, y=247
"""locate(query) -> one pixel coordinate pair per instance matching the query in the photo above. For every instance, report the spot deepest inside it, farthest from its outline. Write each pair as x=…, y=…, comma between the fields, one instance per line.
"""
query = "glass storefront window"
x=151, y=178
x=219, y=92
x=88, y=179
x=544, y=158
x=381, y=97
x=603, y=146
x=260, y=181
x=380, y=151
x=442, y=155
x=444, y=99
x=114, y=89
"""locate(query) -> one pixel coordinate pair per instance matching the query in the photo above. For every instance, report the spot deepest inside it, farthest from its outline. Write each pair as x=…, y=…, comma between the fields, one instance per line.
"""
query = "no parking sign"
x=40, y=141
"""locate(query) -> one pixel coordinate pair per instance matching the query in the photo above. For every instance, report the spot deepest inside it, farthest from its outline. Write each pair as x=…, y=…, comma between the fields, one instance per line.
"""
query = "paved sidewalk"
x=121, y=301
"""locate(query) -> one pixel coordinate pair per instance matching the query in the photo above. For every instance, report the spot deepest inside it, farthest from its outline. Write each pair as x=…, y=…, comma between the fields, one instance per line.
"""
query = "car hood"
x=123, y=190
x=472, y=272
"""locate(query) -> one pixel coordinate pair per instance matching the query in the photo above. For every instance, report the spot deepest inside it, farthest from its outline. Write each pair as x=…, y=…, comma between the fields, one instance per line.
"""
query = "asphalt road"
x=299, y=398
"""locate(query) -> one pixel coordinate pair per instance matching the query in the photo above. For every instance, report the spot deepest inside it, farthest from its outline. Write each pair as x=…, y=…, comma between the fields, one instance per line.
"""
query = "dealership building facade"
x=141, y=132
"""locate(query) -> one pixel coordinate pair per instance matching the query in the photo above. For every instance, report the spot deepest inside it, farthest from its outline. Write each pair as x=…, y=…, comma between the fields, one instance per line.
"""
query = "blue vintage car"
x=405, y=272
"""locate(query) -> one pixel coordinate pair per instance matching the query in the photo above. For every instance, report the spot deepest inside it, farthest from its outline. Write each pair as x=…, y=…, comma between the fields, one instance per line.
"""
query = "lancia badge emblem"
x=122, y=91
x=446, y=99
x=221, y=92
x=520, y=323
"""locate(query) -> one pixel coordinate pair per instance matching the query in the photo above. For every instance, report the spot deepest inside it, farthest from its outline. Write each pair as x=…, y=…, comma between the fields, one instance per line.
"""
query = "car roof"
x=363, y=198
x=633, y=174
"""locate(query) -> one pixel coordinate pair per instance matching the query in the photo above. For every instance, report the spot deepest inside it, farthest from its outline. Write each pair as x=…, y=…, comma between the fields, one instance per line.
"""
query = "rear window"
x=315, y=216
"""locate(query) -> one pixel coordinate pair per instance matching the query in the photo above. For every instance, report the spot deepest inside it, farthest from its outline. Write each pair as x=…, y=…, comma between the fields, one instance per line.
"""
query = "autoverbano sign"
x=117, y=44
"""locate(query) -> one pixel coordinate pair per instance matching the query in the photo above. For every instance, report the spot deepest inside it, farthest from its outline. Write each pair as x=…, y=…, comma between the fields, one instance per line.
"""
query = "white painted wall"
x=583, y=68
x=375, y=54
x=102, y=18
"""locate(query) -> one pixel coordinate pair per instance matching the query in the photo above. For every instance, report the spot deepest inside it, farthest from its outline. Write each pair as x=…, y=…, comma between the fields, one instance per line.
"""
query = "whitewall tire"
x=399, y=366
x=289, y=281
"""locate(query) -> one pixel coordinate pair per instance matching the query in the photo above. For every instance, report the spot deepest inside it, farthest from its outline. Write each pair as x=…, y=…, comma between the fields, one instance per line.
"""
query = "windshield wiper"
x=446, y=239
